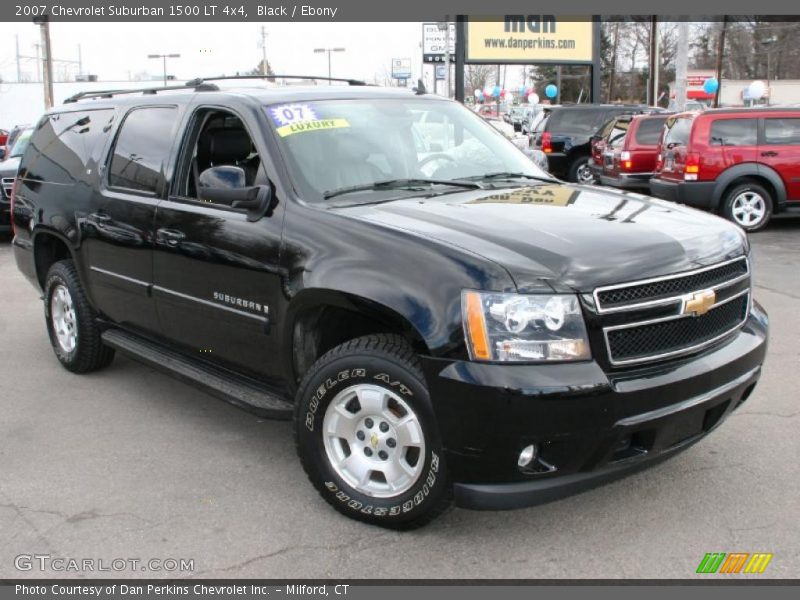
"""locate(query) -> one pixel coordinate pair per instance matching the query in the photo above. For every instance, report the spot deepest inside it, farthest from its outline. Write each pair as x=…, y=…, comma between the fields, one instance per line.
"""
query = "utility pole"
x=19, y=70
x=613, y=63
x=720, y=52
x=653, y=60
x=681, y=65
x=263, y=50
x=38, y=63
x=80, y=61
x=47, y=59
x=558, y=84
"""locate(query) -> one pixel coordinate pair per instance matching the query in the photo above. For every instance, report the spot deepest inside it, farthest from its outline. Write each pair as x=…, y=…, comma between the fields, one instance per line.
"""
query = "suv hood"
x=573, y=237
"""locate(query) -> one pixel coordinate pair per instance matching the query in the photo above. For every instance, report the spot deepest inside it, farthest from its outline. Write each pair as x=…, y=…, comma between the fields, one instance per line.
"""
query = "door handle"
x=169, y=237
x=99, y=217
x=769, y=153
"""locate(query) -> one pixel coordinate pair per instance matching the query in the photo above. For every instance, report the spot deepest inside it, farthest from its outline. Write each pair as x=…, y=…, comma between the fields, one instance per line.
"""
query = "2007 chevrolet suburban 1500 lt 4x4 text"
x=442, y=319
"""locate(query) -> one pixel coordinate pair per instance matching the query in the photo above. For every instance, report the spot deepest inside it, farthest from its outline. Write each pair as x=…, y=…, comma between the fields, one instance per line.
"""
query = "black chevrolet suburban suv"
x=442, y=320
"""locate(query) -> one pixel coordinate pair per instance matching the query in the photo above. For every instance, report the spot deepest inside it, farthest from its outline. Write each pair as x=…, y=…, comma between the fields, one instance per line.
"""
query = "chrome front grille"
x=7, y=183
x=660, y=324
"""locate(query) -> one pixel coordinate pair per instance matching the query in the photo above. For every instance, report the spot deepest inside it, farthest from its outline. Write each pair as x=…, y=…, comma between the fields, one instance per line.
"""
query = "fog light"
x=527, y=455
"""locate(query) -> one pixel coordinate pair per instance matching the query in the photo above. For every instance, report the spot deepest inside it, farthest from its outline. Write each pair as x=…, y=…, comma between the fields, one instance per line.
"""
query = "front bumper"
x=627, y=181
x=590, y=426
x=699, y=194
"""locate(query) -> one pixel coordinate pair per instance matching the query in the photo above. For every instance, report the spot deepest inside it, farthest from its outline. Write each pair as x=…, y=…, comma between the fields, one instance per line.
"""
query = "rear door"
x=118, y=228
x=779, y=148
x=643, y=145
x=731, y=141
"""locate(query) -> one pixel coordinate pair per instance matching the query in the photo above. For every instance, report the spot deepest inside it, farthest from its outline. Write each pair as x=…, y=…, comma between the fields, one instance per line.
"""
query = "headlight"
x=523, y=328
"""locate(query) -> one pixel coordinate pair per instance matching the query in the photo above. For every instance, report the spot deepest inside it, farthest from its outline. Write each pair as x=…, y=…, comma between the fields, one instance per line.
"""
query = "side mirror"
x=225, y=177
x=226, y=185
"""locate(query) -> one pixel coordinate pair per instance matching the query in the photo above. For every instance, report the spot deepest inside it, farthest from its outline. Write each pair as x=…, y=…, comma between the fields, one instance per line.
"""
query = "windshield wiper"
x=390, y=184
x=508, y=175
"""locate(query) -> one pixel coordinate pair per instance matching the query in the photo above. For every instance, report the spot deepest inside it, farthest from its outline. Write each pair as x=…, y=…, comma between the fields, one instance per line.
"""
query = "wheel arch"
x=321, y=319
x=758, y=173
x=49, y=247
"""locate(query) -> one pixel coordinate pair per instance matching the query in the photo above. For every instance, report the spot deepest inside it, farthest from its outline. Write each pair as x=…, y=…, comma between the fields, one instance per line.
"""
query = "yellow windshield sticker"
x=317, y=125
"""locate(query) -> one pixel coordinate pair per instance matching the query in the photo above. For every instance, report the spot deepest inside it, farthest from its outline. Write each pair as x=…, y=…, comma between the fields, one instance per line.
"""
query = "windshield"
x=22, y=142
x=332, y=145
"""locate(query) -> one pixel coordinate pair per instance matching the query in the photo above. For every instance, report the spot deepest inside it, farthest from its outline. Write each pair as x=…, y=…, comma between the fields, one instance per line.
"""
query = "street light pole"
x=164, y=58
x=328, y=50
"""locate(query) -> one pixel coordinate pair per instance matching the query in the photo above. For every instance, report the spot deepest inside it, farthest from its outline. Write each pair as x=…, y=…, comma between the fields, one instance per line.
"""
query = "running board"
x=213, y=380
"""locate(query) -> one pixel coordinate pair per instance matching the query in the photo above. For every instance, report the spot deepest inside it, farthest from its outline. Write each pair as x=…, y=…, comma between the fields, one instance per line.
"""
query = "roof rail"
x=147, y=91
x=200, y=80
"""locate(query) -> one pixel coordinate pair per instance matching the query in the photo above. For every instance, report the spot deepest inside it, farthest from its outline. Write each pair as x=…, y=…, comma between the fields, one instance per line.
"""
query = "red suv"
x=629, y=151
x=743, y=163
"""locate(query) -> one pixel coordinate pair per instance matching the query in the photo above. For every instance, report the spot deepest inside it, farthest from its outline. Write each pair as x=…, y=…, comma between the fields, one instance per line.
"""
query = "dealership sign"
x=530, y=39
x=401, y=68
x=433, y=42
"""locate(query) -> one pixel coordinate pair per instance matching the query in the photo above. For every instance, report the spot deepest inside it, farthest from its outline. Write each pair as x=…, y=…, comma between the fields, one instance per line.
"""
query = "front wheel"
x=367, y=437
x=748, y=205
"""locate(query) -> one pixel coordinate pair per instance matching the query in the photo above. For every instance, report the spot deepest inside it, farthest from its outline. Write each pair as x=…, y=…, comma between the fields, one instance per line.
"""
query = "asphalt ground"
x=129, y=463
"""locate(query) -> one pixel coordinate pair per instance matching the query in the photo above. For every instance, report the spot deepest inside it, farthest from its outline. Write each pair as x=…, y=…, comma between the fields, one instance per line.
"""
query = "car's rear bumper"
x=589, y=426
x=699, y=194
x=626, y=181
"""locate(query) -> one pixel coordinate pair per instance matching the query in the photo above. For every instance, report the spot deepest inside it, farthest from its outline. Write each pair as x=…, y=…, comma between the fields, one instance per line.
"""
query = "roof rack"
x=200, y=80
x=201, y=87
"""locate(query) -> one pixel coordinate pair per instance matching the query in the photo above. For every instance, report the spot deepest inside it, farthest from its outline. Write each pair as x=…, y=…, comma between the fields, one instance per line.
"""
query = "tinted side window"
x=649, y=131
x=782, y=131
x=576, y=120
x=677, y=132
x=142, y=149
x=62, y=144
x=734, y=132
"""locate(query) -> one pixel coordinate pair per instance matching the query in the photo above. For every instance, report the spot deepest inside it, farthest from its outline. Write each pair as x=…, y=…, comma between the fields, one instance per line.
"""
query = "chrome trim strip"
x=663, y=301
x=686, y=404
x=241, y=313
x=673, y=353
x=118, y=276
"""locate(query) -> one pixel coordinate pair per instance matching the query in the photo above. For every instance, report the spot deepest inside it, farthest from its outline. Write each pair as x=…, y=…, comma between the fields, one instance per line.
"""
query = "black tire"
x=89, y=353
x=744, y=188
x=577, y=168
x=388, y=362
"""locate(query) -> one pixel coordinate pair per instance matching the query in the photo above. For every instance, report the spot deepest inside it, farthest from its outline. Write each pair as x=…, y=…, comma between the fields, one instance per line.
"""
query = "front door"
x=217, y=274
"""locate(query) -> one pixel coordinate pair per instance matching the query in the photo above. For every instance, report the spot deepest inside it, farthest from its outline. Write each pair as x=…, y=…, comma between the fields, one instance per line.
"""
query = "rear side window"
x=616, y=138
x=677, y=132
x=782, y=131
x=585, y=121
x=734, y=132
x=63, y=145
x=649, y=131
x=142, y=149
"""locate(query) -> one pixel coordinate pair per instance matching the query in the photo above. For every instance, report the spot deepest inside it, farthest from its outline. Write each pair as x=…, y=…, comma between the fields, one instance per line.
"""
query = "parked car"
x=612, y=129
x=531, y=123
x=521, y=114
x=743, y=163
x=3, y=140
x=566, y=138
x=8, y=171
x=484, y=333
x=630, y=150
x=12, y=137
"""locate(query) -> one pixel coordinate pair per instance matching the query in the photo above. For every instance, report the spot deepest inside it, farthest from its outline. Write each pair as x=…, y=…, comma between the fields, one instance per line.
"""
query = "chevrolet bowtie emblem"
x=698, y=303
x=374, y=441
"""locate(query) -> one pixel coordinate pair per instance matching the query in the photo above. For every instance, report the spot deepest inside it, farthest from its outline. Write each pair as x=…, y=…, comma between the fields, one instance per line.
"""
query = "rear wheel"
x=71, y=322
x=366, y=434
x=580, y=172
x=748, y=205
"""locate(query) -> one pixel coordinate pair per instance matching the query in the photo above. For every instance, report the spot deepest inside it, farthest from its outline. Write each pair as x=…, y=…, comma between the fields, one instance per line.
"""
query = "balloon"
x=487, y=91
x=533, y=98
x=523, y=90
x=496, y=91
x=551, y=91
x=478, y=94
x=710, y=86
x=756, y=90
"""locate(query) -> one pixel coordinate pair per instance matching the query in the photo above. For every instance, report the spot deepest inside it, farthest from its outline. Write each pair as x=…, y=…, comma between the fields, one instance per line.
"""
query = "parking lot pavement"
x=129, y=463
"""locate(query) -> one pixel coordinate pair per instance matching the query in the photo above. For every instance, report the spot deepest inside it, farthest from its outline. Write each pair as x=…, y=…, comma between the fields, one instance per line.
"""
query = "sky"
x=117, y=51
